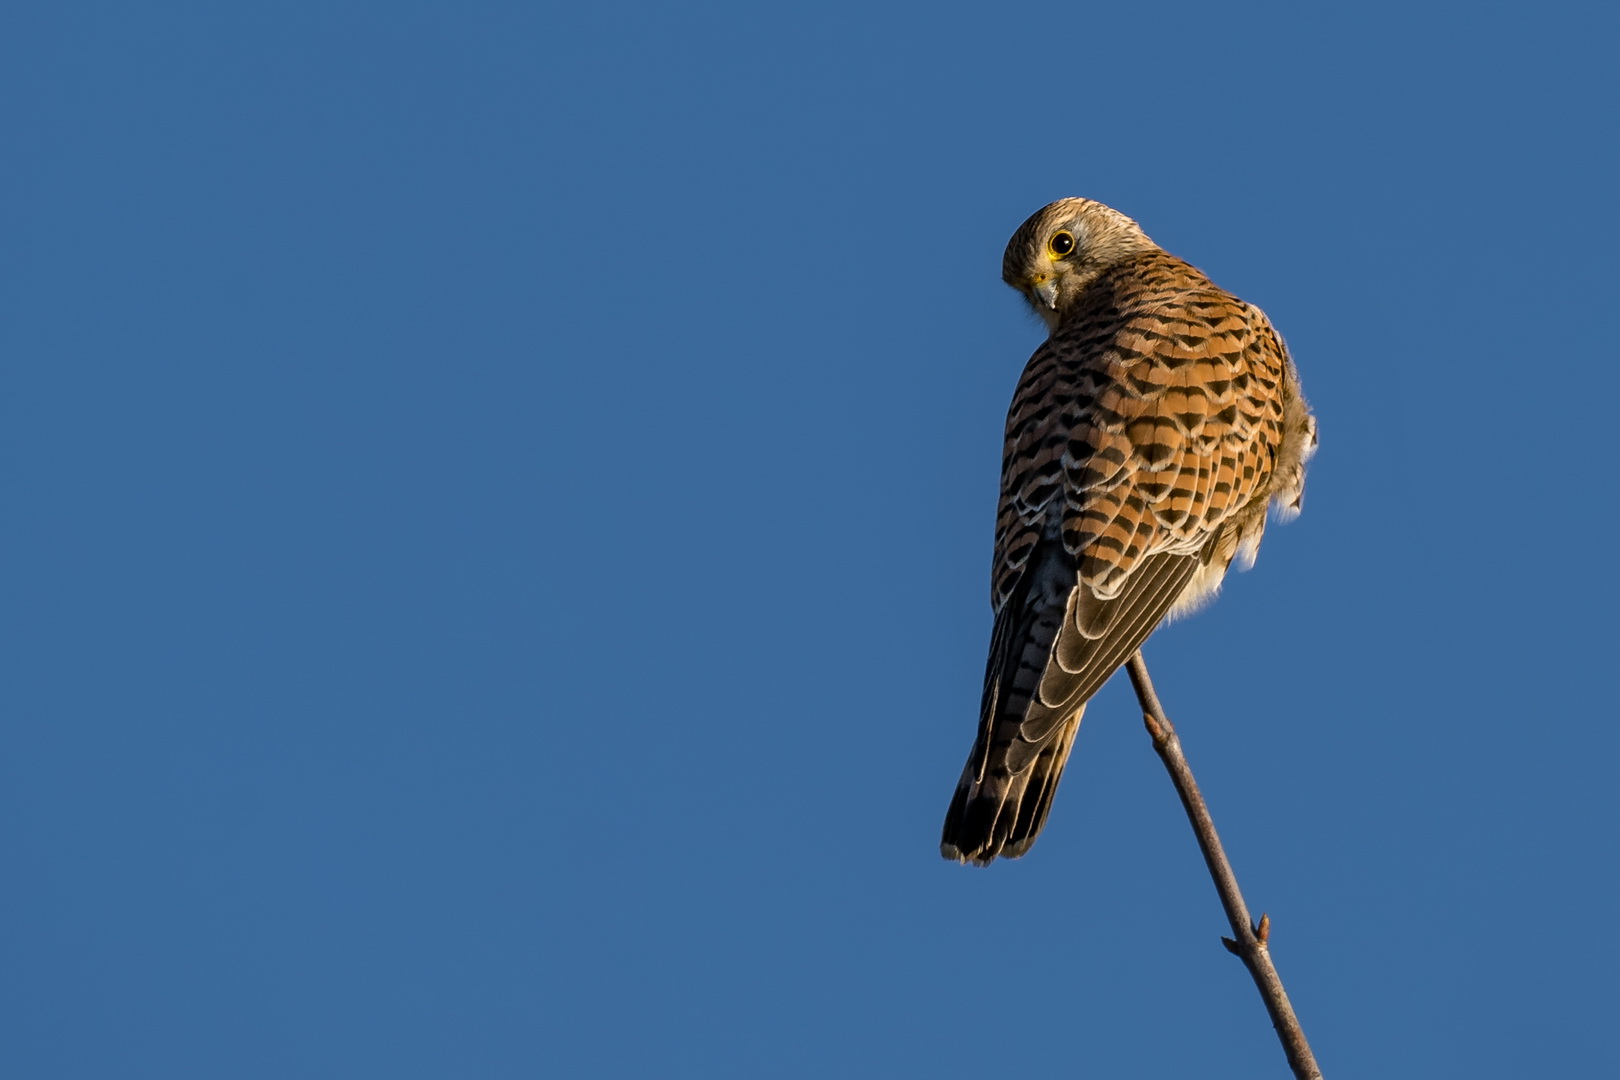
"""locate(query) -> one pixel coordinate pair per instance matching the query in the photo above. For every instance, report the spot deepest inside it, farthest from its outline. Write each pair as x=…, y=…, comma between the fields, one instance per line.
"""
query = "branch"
x=1248, y=940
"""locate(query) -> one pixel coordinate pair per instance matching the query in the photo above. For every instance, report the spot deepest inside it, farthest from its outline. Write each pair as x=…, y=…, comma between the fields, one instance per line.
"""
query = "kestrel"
x=1148, y=435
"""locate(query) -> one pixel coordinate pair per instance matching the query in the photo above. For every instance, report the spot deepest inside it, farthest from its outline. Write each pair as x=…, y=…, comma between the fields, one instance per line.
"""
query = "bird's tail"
x=1000, y=812
x=1027, y=721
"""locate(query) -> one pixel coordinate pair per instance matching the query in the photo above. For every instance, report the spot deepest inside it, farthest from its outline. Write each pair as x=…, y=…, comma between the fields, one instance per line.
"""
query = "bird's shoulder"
x=1152, y=337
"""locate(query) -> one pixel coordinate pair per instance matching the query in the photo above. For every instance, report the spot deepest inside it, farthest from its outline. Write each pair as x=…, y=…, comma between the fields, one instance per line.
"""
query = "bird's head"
x=1063, y=248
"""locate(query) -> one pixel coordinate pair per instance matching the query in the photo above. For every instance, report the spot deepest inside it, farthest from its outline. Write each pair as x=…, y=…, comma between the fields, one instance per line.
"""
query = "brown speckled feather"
x=1144, y=442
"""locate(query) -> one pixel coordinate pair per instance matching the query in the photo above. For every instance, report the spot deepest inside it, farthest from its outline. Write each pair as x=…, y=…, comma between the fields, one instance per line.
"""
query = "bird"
x=1148, y=435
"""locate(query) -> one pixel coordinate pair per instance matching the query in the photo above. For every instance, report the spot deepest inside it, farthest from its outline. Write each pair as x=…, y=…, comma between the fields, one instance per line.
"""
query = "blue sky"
x=498, y=506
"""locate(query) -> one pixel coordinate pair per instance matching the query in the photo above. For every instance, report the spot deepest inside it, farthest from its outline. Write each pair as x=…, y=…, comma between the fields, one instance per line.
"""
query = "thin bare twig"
x=1249, y=940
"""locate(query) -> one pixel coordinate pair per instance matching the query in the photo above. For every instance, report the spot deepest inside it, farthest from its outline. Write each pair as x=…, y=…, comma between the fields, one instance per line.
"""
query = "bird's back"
x=1145, y=439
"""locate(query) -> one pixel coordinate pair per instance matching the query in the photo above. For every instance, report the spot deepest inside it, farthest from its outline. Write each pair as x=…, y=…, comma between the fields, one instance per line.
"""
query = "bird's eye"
x=1061, y=244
